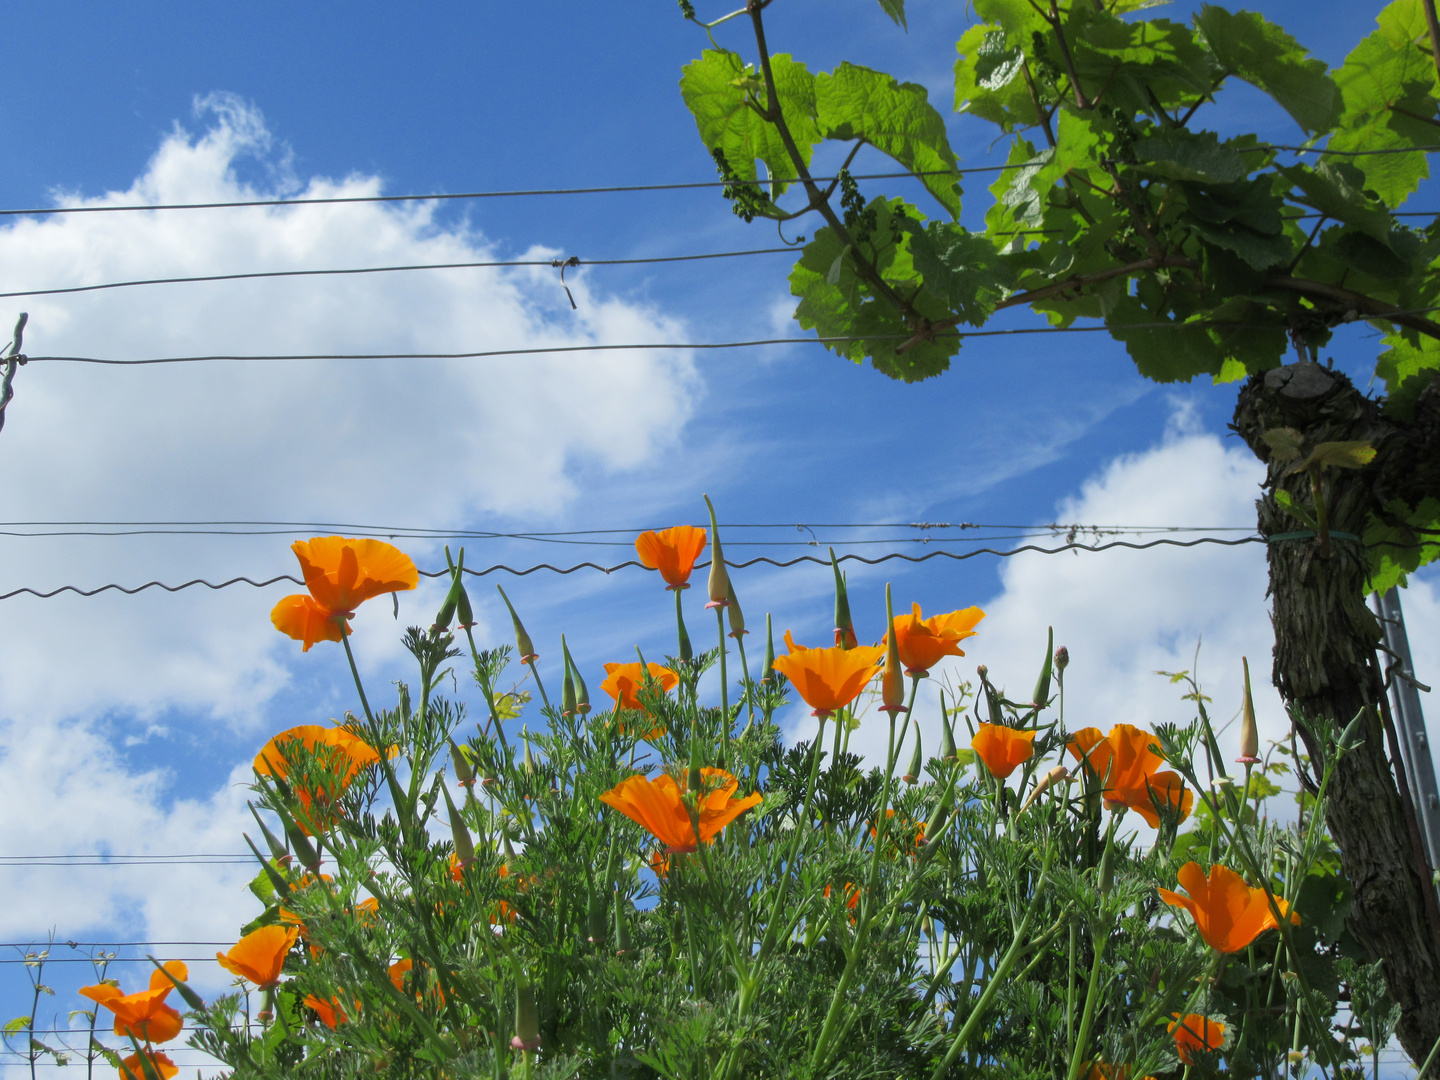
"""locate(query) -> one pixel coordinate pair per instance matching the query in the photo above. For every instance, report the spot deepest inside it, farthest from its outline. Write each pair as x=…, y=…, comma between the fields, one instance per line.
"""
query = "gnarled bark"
x=1325, y=639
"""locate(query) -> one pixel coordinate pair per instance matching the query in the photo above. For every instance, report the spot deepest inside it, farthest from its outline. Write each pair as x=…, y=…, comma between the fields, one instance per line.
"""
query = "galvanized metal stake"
x=1414, y=743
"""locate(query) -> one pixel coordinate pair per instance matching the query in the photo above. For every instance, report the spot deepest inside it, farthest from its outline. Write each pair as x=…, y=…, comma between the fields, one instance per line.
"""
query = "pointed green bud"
x=277, y=879
x=767, y=673
x=446, y=615
x=735, y=615
x=892, y=680
x=462, y=607
x=527, y=1019
x=1105, y=880
x=694, y=780
x=529, y=763
x=464, y=846
x=301, y=845
x=686, y=651
x=569, y=705
x=1042, y=684
x=844, y=627
x=1249, y=733
x=719, y=576
x=622, y=926
x=947, y=733
x=582, y=692
x=277, y=849
x=464, y=774
x=523, y=643
x=912, y=774
x=194, y=1000
x=596, y=916
x=1354, y=733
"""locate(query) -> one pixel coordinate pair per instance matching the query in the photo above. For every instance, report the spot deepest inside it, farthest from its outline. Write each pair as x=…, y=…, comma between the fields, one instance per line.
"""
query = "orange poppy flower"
x=336, y=748
x=331, y=1012
x=660, y=863
x=1228, y=913
x=1196, y=1034
x=401, y=968
x=341, y=575
x=260, y=955
x=131, y=1069
x=1124, y=761
x=923, y=642
x=659, y=805
x=144, y=1014
x=623, y=682
x=1003, y=749
x=829, y=679
x=673, y=552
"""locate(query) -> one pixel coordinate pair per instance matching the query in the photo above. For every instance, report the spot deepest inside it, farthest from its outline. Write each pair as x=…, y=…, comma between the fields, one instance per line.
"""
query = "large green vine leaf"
x=722, y=93
x=896, y=118
x=1246, y=45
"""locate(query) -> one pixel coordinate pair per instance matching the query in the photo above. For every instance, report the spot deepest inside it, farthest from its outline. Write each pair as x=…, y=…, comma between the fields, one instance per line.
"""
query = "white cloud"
x=89, y=687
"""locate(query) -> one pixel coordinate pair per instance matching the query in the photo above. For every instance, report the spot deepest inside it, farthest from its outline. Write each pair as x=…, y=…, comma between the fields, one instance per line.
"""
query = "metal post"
x=1414, y=744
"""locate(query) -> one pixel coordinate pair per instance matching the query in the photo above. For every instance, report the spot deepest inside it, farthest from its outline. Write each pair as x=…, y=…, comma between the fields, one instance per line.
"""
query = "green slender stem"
x=749, y=687
x=535, y=671
x=1092, y=1000
x=355, y=672
x=724, y=680
x=1070, y=994
x=998, y=977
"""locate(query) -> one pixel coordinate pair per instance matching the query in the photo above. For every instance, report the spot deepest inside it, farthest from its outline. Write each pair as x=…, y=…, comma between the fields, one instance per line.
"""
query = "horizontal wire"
x=738, y=565
x=574, y=261
x=113, y=959
x=116, y=944
x=330, y=200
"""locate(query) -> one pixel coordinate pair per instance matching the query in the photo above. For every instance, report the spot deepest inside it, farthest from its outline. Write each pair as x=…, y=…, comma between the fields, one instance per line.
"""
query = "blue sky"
x=128, y=717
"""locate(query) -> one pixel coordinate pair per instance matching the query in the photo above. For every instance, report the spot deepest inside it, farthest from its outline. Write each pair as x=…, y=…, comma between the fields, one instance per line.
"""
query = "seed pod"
x=735, y=615
x=1041, y=697
x=527, y=1019
x=719, y=577
x=1249, y=733
x=523, y=643
x=464, y=774
x=892, y=681
x=912, y=774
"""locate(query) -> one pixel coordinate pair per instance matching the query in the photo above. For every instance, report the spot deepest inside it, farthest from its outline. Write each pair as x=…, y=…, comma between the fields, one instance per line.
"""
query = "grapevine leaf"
x=1337, y=190
x=1387, y=87
x=20, y=1023
x=840, y=303
x=1354, y=454
x=1131, y=64
x=720, y=91
x=1242, y=217
x=1265, y=56
x=989, y=79
x=1178, y=350
x=962, y=268
x=855, y=102
x=1179, y=154
x=1396, y=544
x=1284, y=443
x=1407, y=368
x=896, y=10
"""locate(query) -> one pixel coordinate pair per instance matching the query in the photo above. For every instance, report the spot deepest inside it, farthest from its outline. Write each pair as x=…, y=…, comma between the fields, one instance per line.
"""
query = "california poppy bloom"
x=924, y=641
x=131, y=1069
x=829, y=679
x=673, y=552
x=1228, y=913
x=1003, y=749
x=623, y=682
x=659, y=805
x=1126, y=764
x=1195, y=1034
x=144, y=1014
x=402, y=968
x=330, y=1012
x=260, y=955
x=337, y=748
x=341, y=575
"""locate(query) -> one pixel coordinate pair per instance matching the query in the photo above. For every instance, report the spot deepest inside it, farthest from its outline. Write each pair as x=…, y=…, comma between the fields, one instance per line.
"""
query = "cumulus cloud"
x=92, y=691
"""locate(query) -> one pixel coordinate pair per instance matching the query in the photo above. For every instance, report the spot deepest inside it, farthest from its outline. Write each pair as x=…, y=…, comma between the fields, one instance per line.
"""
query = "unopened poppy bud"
x=529, y=763
x=569, y=705
x=844, y=626
x=523, y=643
x=767, y=673
x=595, y=919
x=694, y=781
x=277, y=849
x=1049, y=780
x=735, y=615
x=1062, y=658
x=719, y=576
x=1354, y=733
x=947, y=734
x=464, y=846
x=276, y=879
x=1105, y=879
x=464, y=774
x=1041, y=697
x=622, y=927
x=582, y=692
x=1249, y=733
x=194, y=1000
x=527, y=1019
x=446, y=615
x=892, y=680
x=463, y=610
x=912, y=774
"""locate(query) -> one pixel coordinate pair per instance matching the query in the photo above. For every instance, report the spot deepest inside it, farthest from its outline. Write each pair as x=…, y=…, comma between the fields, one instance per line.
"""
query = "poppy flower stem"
x=724, y=683
x=355, y=673
x=534, y=665
x=749, y=687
